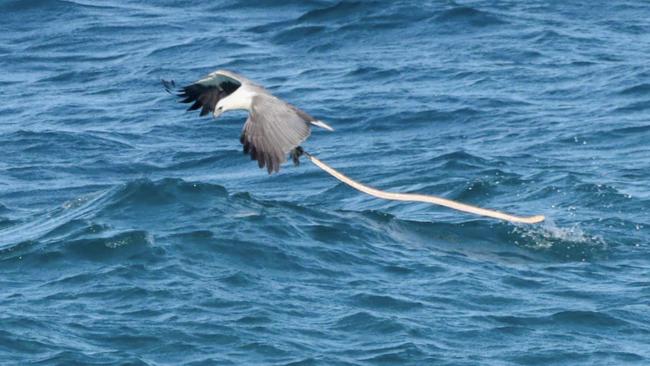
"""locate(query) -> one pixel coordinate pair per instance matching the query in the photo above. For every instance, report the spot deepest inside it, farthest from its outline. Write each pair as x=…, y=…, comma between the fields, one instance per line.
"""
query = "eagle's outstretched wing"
x=206, y=92
x=273, y=129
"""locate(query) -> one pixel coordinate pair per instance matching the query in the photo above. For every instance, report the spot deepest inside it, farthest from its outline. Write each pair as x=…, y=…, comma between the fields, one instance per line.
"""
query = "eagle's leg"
x=295, y=155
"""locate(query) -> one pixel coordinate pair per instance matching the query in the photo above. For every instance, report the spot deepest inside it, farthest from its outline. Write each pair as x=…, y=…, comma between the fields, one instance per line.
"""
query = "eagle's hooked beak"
x=217, y=112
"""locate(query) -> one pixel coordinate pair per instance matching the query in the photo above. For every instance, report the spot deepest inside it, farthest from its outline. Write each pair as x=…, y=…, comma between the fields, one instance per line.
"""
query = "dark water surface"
x=134, y=233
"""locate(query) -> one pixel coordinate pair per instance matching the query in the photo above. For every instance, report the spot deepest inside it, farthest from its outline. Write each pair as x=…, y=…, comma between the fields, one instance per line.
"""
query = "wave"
x=328, y=27
x=569, y=243
x=384, y=302
x=547, y=37
x=567, y=319
x=194, y=45
x=168, y=190
x=468, y=16
x=298, y=33
x=640, y=106
x=368, y=323
x=338, y=11
x=465, y=157
x=638, y=89
x=239, y=4
x=120, y=216
x=414, y=119
x=75, y=219
x=49, y=5
x=551, y=241
x=69, y=142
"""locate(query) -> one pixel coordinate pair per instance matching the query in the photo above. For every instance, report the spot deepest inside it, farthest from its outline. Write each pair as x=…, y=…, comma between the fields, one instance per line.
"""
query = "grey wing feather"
x=272, y=130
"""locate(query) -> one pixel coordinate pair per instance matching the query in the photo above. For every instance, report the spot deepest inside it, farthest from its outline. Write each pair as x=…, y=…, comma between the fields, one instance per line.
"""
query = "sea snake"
x=414, y=197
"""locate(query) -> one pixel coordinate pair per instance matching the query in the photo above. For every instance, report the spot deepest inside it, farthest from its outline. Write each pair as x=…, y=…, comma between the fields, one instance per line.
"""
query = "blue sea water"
x=134, y=233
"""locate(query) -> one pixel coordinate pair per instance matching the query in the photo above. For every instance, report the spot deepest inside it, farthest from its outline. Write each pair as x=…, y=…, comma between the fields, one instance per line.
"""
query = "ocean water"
x=134, y=233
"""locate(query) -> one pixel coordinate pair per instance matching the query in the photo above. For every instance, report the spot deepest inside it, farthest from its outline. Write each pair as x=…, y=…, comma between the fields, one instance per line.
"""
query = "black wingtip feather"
x=195, y=106
x=201, y=95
